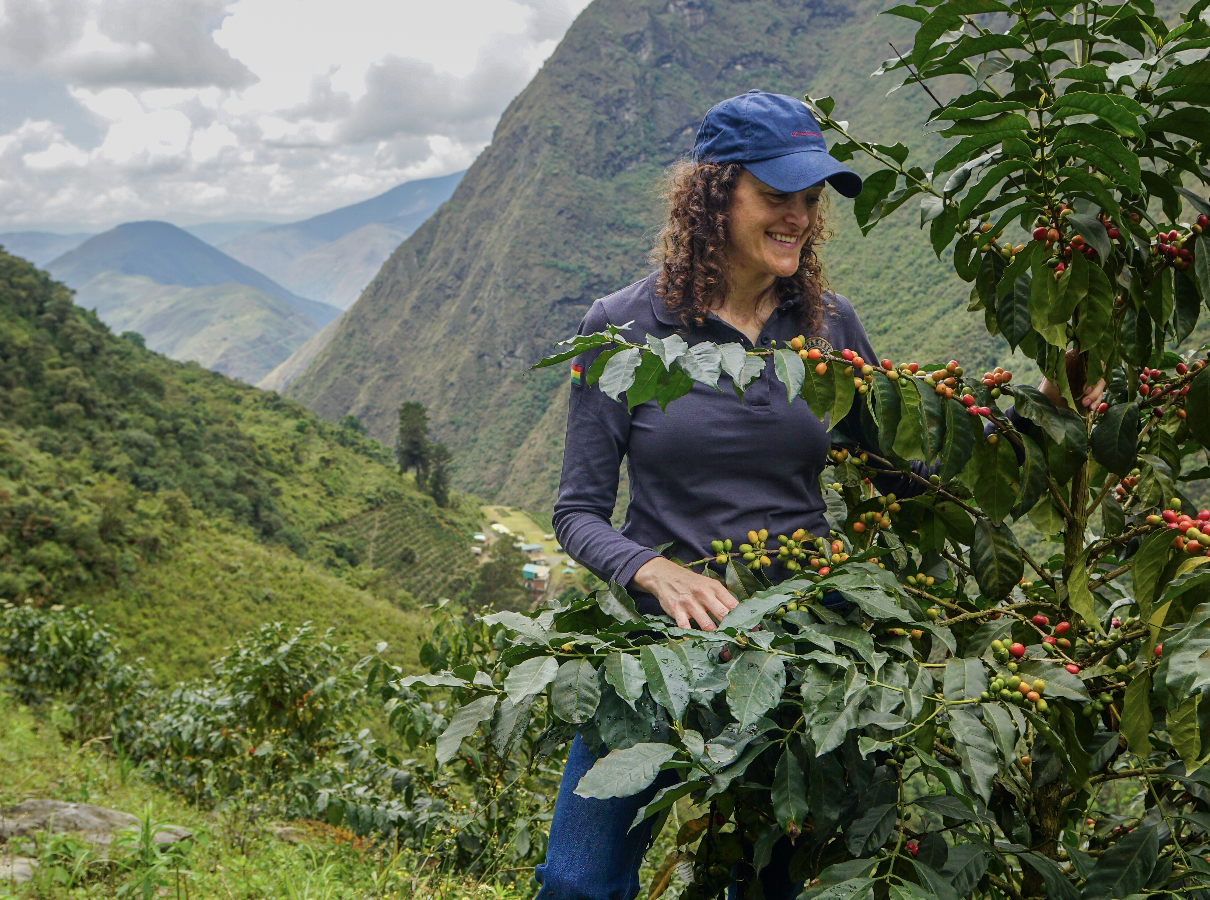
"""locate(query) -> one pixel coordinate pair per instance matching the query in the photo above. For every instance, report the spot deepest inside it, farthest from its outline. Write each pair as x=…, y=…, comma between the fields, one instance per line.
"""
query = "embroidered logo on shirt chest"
x=817, y=343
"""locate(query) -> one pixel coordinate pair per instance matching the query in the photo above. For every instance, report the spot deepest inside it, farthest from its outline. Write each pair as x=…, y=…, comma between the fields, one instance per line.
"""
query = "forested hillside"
x=560, y=209
x=187, y=507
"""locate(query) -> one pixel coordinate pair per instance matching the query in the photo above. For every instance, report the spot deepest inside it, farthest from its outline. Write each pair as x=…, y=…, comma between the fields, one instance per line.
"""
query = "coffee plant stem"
x=1007, y=886
x=914, y=74
x=829, y=122
x=1108, y=577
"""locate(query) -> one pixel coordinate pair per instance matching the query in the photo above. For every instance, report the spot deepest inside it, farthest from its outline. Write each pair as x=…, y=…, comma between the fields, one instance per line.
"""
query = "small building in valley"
x=536, y=577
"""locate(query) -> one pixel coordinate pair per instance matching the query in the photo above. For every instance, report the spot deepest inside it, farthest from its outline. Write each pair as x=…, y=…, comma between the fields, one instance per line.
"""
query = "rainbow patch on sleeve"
x=576, y=374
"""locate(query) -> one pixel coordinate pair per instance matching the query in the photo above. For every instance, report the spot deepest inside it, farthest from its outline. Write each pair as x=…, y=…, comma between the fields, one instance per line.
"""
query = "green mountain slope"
x=560, y=209
x=188, y=507
x=234, y=329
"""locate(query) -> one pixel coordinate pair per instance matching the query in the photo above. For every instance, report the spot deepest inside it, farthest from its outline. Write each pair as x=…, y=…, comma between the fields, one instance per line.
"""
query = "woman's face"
x=768, y=228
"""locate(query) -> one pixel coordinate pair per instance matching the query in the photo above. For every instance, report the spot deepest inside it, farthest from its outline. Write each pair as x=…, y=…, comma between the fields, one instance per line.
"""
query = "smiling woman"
x=737, y=263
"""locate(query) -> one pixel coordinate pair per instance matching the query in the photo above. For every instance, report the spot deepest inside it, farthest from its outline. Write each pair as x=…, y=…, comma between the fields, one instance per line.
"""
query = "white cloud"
x=254, y=108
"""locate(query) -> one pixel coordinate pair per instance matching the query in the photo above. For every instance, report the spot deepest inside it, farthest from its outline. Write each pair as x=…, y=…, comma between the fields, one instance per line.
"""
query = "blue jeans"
x=593, y=855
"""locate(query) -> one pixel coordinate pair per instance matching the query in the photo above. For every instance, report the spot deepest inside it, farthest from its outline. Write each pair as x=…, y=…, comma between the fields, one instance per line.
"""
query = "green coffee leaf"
x=1136, y=714
x=1187, y=306
x=623, y=773
x=1201, y=264
x=965, y=679
x=790, y=371
x=1089, y=227
x=789, y=792
x=1115, y=439
x=530, y=677
x=1033, y=477
x=703, y=363
x=980, y=760
x=909, y=436
x=1146, y=570
x=667, y=679
x=618, y=374
x=829, y=731
x=755, y=685
x=886, y=409
x=1183, y=729
x=819, y=391
x=996, y=478
x=1079, y=596
x=1197, y=403
x=932, y=422
x=996, y=559
x=576, y=691
x=625, y=674
x=1059, y=682
x=1182, y=669
x=1124, y=868
x=1058, y=887
x=465, y=722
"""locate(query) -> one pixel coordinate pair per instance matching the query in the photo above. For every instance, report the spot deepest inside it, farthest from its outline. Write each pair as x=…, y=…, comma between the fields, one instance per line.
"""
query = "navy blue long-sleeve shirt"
x=713, y=466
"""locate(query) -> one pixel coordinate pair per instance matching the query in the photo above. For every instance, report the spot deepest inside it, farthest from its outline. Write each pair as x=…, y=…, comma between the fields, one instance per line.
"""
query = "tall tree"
x=439, y=459
x=412, y=444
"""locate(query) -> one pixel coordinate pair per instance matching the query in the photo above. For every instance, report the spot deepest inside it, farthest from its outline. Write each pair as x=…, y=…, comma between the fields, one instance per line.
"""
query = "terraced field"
x=418, y=547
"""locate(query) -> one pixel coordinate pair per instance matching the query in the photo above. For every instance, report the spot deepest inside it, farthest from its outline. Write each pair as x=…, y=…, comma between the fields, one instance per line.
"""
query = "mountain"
x=561, y=209
x=296, y=363
x=40, y=247
x=215, y=233
x=187, y=507
x=231, y=328
x=169, y=255
x=333, y=256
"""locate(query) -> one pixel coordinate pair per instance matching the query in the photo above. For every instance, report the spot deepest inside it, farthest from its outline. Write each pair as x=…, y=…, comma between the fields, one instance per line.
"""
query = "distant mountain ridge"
x=40, y=247
x=333, y=256
x=169, y=255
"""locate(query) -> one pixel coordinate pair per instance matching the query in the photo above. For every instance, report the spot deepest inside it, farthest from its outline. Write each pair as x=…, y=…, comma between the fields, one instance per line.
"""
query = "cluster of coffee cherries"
x=1124, y=487
x=1171, y=244
x=1192, y=532
x=1155, y=386
x=995, y=378
x=1047, y=229
x=798, y=552
x=861, y=371
x=1014, y=689
x=1006, y=251
x=878, y=518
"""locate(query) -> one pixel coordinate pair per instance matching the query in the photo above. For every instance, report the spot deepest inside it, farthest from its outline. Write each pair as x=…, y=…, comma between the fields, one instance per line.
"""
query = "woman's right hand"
x=684, y=594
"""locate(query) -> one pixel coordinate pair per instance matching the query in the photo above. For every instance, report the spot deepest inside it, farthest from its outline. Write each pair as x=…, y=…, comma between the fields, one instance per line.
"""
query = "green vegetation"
x=264, y=737
x=231, y=328
x=970, y=721
x=187, y=507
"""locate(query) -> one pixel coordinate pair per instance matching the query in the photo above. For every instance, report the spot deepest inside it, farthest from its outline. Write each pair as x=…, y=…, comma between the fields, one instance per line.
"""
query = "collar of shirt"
x=660, y=311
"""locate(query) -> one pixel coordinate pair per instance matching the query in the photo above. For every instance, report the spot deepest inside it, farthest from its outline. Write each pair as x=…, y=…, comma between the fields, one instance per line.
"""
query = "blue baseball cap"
x=777, y=140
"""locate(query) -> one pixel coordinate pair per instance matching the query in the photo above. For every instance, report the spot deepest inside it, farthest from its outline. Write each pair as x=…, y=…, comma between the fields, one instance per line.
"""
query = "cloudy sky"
x=216, y=110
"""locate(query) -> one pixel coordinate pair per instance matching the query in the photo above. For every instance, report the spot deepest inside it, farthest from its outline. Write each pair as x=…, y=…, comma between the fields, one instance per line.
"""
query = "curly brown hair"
x=689, y=250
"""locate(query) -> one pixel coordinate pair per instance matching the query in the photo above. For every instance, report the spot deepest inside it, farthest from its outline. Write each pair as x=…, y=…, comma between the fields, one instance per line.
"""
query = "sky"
x=226, y=110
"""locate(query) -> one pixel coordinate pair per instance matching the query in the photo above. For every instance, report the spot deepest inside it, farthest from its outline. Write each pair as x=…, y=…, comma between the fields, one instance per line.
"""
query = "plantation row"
x=421, y=553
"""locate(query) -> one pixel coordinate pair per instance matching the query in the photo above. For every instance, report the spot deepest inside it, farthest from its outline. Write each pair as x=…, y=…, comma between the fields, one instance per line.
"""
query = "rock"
x=16, y=869
x=95, y=824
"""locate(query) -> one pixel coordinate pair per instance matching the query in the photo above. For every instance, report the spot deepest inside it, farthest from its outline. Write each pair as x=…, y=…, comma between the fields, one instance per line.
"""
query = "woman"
x=738, y=262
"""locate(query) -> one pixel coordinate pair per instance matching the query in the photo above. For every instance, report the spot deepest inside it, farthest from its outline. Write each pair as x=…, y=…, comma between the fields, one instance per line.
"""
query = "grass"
x=233, y=856
x=203, y=594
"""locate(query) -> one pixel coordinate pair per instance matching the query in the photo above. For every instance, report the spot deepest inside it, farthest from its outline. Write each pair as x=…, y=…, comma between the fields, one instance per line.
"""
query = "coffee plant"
x=485, y=808
x=986, y=719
